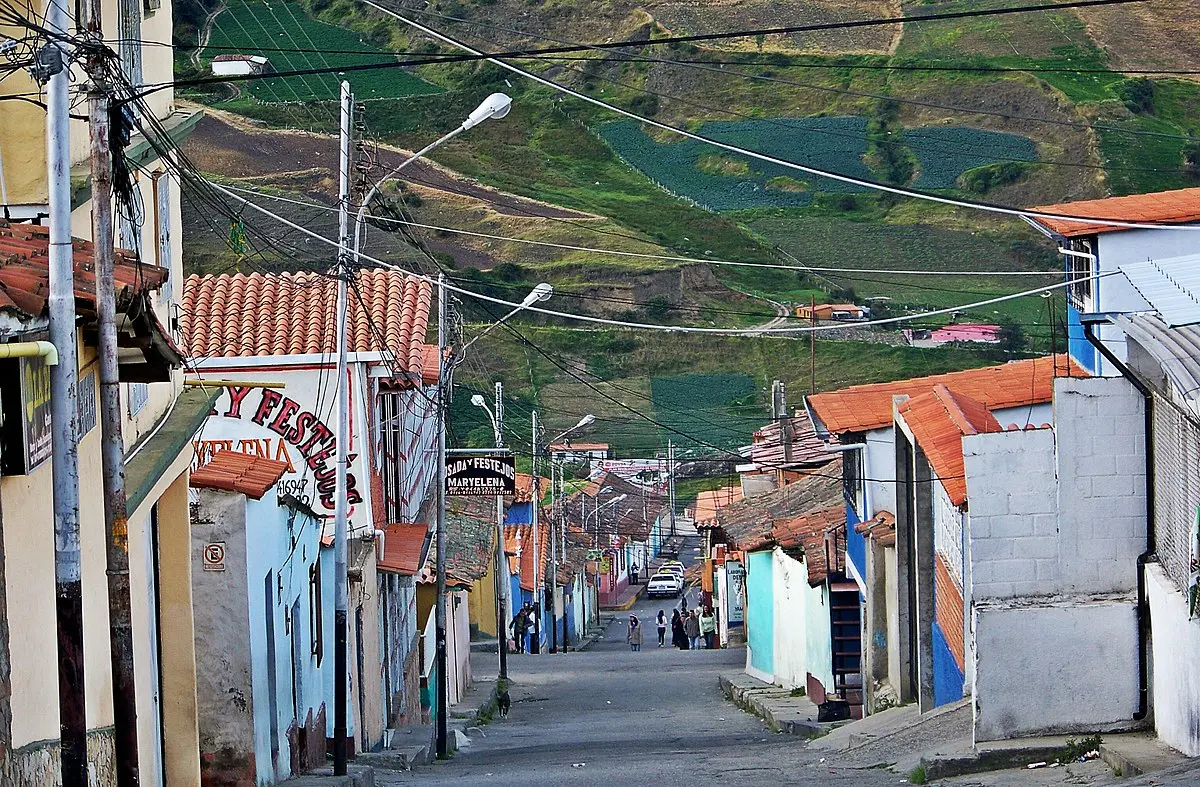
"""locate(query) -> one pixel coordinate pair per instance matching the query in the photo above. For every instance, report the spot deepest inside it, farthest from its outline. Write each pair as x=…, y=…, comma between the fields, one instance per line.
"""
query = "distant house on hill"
x=959, y=332
x=239, y=65
x=833, y=311
x=579, y=452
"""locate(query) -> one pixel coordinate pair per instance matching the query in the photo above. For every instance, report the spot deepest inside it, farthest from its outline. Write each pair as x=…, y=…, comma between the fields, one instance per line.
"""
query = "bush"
x=1137, y=95
x=981, y=180
x=1191, y=158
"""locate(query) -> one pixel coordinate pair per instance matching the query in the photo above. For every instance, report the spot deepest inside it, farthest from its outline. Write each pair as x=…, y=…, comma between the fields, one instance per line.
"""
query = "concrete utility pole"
x=341, y=591
x=553, y=578
x=439, y=609
x=64, y=406
x=671, y=482
x=112, y=442
x=537, y=563
x=503, y=615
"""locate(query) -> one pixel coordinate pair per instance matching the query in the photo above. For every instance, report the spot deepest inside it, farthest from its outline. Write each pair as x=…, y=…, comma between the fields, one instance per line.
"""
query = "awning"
x=173, y=437
x=1170, y=286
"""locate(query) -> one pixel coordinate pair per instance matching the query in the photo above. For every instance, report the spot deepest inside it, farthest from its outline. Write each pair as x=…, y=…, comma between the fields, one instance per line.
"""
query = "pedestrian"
x=520, y=624
x=634, y=635
x=708, y=628
x=683, y=602
x=662, y=628
x=691, y=627
x=678, y=638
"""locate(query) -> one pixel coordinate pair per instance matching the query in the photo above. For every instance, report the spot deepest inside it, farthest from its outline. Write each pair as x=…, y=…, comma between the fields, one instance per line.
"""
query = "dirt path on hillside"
x=228, y=145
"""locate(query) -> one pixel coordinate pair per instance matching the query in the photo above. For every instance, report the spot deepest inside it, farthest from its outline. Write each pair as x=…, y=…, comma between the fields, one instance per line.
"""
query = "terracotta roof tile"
x=807, y=533
x=770, y=451
x=939, y=420
x=1179, y=206
x=709, y=502
x=234, y=471
x=293, y=313
x=862, y=408
x=750, y=524
x=881, y=527
x=25, y=273
x=403, y=547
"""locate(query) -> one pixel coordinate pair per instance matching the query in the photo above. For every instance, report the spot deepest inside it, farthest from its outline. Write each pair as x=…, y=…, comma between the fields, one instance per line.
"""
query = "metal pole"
x=439, y=609
x=537, y=563
x=553, y=574
x=341, y=591
x=562, y=524
x=63, y=413
x=112, y=443
x=671, y=481
x=502, y=617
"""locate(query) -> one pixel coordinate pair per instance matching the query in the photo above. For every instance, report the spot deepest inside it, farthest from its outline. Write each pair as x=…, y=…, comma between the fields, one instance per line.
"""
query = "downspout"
x=1143, y=619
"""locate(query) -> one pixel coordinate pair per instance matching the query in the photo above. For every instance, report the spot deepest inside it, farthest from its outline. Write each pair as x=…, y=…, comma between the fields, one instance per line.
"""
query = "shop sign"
x=481, y=476
x=735, y=575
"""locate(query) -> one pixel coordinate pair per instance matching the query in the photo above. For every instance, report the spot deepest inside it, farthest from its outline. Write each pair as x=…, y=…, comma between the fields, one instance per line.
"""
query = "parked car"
x=672, y=568
x=664, y=583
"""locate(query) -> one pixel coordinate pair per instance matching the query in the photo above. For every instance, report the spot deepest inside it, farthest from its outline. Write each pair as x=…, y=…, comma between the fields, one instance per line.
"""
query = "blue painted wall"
x=760, y=611
x=856, y=543
x=1080, y=348
x=947, y=677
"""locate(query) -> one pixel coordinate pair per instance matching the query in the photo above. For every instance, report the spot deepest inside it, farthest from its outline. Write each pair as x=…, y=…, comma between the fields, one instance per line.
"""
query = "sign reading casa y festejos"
x=481, y=476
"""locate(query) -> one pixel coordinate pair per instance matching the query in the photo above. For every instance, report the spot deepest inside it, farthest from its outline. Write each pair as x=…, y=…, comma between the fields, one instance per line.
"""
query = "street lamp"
x=496, y=105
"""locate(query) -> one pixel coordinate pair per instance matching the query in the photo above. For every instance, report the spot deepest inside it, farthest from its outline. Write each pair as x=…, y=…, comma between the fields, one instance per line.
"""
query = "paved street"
x=608, y=715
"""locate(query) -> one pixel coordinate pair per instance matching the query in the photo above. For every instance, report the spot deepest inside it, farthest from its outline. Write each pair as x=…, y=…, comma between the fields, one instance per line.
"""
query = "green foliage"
x=657, y=307
x=1075, y=749
x=1191, y=157
x=1012, y=336
x=1139, y=164
x=918, y=775
x=713, y=409
x=981, y=180
x=1137, y=95
x=249, y=25
x=945, y=152
x=885, y=146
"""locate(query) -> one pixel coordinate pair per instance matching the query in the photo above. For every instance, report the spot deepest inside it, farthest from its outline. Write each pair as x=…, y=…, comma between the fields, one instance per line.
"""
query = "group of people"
x=690, y=630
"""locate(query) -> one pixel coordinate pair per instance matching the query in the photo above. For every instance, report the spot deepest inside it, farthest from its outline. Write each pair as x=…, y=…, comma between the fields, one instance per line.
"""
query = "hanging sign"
x=481, y=476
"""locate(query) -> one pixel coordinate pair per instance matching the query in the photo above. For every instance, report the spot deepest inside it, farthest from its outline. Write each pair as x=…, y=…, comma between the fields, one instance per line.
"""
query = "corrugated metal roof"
x=1171, y=286
x=1175, y=350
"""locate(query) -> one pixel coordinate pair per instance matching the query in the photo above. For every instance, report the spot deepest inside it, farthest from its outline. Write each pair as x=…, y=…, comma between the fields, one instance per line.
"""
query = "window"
x=852, y=480
x=139, y=394
x=1080, y=271
x=314, y=610
x=162, y=224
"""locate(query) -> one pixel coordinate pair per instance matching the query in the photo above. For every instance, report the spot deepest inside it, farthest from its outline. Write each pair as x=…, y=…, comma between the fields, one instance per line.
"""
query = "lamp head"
x=539, y=293
x=496, y=105
x=478, y=401
x=587, y=420
x=619, y=498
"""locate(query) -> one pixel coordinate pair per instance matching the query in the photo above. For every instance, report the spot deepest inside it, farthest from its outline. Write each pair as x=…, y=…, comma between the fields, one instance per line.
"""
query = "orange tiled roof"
x=527, y=561
x=403, y=544
x=862, y=408
x=711, y=501
x=1179, y=206
x=939, y=420
x=234, y=471
x=881, y=527
x=807, y=533
x=293, y=313
x=25, y=273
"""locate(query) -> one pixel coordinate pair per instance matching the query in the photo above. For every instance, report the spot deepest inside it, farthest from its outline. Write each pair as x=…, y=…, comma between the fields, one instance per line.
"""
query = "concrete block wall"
x=1060, y=511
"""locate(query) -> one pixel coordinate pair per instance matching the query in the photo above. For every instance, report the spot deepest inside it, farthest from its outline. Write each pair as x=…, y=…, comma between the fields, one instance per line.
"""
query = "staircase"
x=846, y=629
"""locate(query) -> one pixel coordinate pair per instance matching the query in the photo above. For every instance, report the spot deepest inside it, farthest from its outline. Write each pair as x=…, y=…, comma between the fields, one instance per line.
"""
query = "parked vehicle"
x=664, y=583
x=672, y=568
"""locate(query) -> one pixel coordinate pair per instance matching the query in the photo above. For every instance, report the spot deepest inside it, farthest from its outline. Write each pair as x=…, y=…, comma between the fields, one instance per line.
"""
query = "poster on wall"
x=1194, y=575
x=735, y=578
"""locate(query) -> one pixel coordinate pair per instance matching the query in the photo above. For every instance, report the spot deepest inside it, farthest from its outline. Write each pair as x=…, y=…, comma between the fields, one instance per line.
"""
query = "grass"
x=688, y=489
x=918, y=775
x=249, y=25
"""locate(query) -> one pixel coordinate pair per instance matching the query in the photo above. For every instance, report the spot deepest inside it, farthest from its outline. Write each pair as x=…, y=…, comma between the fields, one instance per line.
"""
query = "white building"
x=239, y=65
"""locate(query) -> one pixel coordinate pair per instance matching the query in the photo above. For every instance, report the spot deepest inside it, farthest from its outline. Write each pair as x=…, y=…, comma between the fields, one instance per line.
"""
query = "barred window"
x=1176, y=488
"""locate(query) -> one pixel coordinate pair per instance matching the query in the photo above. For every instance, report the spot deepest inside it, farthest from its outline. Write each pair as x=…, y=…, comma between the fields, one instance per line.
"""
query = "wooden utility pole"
x=112, y=444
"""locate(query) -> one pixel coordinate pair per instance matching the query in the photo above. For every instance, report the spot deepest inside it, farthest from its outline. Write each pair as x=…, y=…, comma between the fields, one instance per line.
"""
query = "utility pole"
x=502, y=613
x=341, y=591
x=537, y=586
x=439, y=608
x=64, y=406
x=812, y=346
x=562, y=525
x=671, y=482
x=112, y=451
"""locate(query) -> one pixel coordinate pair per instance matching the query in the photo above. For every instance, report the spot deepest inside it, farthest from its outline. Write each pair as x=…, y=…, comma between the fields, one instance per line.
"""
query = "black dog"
x=504, y=703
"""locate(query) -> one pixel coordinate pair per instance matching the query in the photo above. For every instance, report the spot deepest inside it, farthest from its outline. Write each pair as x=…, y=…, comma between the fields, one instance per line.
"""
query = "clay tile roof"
x=527, y=562
x=25, y=273
x=234, y=471
x=403, y=547
x=806, y=533
x=293, y=313
x=1163, y=207
x=709, y=502
x=470, y=540
x=750, y=524
x=771, y=450
x=862, y=408
x=881, y=527
x=524, y=484
x=939, y=420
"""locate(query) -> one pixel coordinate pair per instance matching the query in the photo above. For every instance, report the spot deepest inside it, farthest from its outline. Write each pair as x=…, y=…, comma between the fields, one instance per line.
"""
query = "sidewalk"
x=778, y=707
x=629, y=596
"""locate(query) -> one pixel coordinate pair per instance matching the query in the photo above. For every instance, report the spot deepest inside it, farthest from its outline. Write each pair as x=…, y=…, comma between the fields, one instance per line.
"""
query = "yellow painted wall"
x=482, y=600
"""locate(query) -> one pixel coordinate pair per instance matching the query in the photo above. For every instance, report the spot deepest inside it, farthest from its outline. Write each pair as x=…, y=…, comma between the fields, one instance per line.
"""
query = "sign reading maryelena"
x=481, y=476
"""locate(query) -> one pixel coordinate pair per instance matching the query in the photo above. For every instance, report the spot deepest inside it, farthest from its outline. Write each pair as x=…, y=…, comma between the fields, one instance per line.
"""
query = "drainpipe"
x=30, y=350
x=1143, y=619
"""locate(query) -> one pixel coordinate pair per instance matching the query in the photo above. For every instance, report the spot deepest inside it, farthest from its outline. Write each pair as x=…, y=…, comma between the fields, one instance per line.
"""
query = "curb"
x=625, y=606
x=357, y=776
x=989, y=760
x=749, y=699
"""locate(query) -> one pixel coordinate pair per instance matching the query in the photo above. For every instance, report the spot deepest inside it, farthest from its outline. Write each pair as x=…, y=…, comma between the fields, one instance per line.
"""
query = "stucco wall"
x=1032, y=678
x=760, y=616
x=1175, y=644
x=791, y=624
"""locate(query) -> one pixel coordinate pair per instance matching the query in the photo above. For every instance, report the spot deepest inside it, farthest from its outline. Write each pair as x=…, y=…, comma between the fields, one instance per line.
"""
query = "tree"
x=1012, y=336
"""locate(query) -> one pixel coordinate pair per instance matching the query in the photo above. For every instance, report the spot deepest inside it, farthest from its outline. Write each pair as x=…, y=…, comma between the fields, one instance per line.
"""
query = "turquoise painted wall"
x=760, y=611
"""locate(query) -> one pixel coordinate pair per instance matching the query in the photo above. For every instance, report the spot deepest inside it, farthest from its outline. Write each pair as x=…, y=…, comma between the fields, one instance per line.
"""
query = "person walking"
x=683, y=602
x=691, y=627
x=662, y=628
x=708, y=628
x=520, y=624
x=678, y=638
x=634, y=635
